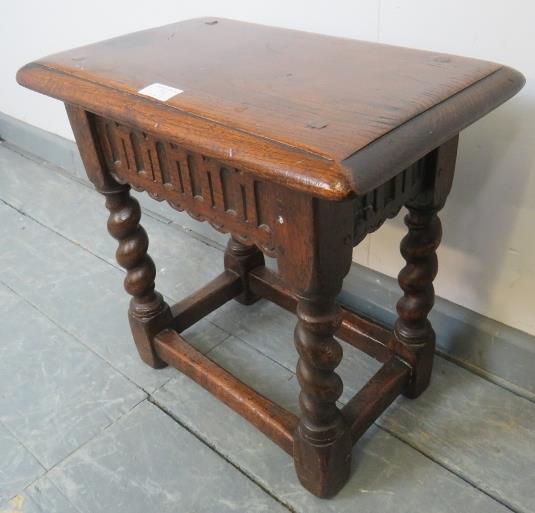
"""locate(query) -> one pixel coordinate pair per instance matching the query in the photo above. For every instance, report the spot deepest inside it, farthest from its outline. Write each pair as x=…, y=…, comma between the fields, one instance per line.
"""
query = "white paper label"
x=161, y=92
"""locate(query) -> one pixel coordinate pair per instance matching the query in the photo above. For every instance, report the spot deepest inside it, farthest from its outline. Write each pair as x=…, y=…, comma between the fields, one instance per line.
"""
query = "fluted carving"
x=321, y=425
x=147, y=307
x=230, y=199
x=413, y=329
x=372, y=209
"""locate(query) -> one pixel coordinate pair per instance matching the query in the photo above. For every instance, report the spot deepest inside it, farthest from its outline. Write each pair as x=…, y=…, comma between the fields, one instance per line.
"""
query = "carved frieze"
x=207, y=189
x=384, y=202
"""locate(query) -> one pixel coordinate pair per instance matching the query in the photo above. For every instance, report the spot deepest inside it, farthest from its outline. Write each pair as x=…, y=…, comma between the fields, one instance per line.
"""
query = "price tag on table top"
x=160, y=92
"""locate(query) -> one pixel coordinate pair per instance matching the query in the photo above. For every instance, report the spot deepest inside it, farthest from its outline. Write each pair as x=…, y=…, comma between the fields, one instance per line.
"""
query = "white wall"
x=486, y=259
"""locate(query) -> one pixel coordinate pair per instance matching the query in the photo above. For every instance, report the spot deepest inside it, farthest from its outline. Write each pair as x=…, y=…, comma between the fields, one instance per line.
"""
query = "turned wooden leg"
x=314, y=246
x=148, y=312
x=241, y=259
x=322, y=443
x=413, y=331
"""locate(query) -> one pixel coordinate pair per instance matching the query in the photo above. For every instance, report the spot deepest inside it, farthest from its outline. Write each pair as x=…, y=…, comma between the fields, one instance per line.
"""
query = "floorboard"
x=466, y=445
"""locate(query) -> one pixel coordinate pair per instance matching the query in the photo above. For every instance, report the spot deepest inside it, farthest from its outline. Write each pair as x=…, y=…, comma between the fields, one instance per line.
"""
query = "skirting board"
x=498, y=352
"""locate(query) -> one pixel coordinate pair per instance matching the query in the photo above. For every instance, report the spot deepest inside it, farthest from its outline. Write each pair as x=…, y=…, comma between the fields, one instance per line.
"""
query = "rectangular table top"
x=332, y=116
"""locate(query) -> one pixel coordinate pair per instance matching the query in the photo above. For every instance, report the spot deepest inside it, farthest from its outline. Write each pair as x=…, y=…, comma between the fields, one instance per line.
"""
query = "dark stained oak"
x=267, y=416
x=312, y=102
x=384, y=386
x=298, y=146
x=241, y=258
x=362, y=333
x=214, y=294
x=148, y=312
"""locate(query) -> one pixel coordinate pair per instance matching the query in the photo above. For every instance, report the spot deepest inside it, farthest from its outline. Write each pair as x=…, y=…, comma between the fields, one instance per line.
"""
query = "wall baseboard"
x=493, y=350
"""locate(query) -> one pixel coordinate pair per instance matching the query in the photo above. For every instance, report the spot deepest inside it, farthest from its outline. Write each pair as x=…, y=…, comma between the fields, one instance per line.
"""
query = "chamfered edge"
x=299, y=169
x=288, y=165
x=389, y=154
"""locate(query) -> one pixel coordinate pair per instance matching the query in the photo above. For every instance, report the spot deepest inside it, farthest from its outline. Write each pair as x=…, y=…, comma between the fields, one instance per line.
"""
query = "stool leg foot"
x=322, y=443
x=414, y=337
x=148, y=313
x=241, y=259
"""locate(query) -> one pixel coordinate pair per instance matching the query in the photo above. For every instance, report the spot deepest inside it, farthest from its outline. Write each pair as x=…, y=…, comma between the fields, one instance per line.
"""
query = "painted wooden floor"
x=86, y=427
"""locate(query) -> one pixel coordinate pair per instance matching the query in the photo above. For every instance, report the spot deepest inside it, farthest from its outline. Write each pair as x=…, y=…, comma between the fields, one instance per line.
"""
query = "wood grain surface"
x=296, y=107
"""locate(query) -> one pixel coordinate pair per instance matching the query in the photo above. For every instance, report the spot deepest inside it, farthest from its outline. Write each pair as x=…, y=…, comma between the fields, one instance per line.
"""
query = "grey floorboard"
x=269, y=378
x=458, y=426
x=18, y=466
x=269, y=329
x=40, y=497
x=388, y=475
x=81, y=293
x=78, y=213
x=56, y=394
x=475, y=428
x=146, y=462
x=479, y=430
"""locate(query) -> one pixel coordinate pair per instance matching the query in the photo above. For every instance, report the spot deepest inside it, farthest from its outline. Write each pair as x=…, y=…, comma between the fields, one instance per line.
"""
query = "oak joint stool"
x=298, y=145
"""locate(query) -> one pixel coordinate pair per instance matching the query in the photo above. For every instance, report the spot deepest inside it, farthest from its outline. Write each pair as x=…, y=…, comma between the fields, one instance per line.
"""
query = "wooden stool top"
x=330, y=116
